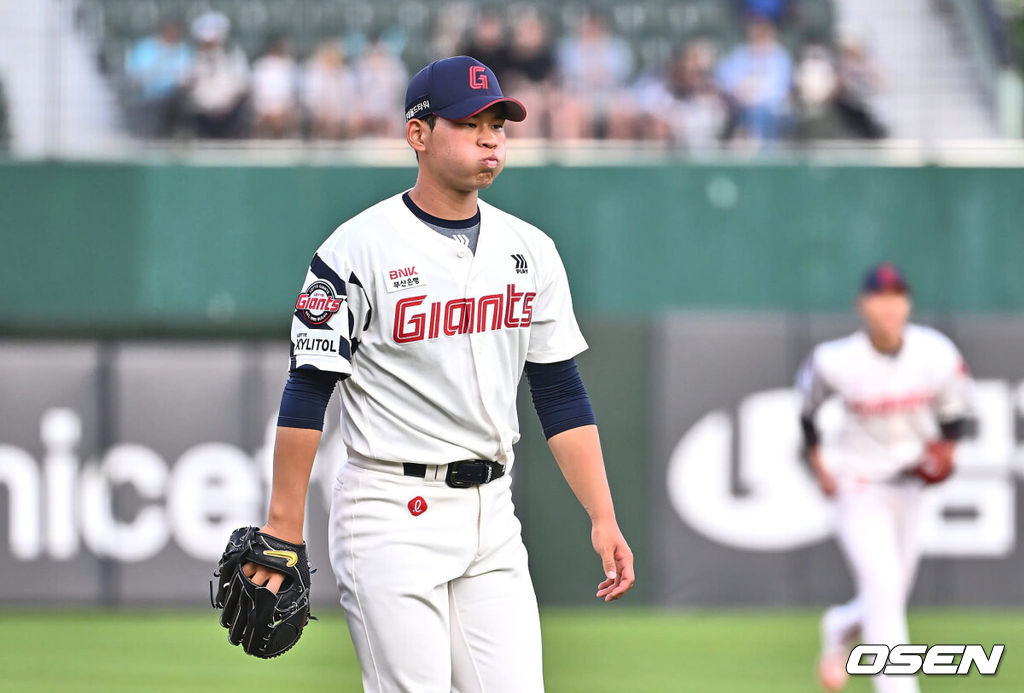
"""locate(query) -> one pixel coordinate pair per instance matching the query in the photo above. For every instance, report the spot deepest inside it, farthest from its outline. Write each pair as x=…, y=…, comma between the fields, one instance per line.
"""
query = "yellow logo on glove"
x=289, y=556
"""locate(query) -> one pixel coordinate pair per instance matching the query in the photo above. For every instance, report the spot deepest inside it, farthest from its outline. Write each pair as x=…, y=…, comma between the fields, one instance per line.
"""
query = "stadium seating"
x=654, y=27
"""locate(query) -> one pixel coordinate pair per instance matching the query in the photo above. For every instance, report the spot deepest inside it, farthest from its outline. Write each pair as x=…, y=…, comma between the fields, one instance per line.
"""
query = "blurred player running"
x=427, y=307
x=905, y=391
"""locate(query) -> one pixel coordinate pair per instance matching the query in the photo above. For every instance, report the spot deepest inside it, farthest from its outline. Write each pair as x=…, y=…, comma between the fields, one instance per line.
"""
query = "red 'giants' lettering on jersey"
x=890, y=405
x=462, y=315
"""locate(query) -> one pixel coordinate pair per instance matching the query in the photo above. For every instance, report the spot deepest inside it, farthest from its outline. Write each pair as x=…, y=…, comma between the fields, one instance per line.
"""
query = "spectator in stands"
x=816, y=85
x=331, y=94
x=530, y=72
x=756, y=77
x=594, y=67
x=772, y=9
x=859, y=86
x=451, y=20
x=157, y=69
x=382, y=78
x=684, y=105
x=531, y=57
x=487, y=42
x=220, y=80
x=275, y=91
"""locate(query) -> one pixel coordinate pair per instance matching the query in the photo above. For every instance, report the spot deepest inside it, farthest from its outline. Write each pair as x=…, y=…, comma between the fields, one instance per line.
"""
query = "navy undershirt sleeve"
x=559, y=396
x=810, y=431
x=954, y=429
x=305, y=398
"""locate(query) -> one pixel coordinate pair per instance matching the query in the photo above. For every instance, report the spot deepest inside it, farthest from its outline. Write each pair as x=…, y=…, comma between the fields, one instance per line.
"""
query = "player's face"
x=885, y=314
x=469, y=154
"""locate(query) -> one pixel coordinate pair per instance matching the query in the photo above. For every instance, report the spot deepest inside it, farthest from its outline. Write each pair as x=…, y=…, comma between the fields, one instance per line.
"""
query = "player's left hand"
x=266, y=623
x=616, y=559
x=937, y=462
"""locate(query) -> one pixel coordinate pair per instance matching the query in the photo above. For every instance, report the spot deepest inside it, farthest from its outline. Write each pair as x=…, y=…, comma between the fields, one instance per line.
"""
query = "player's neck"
x=884, y=344
x=443, y=203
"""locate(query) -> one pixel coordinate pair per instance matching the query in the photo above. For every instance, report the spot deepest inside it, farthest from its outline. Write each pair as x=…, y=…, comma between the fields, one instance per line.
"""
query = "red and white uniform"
x=892, y=403
x=892, y=406
x=433, y=338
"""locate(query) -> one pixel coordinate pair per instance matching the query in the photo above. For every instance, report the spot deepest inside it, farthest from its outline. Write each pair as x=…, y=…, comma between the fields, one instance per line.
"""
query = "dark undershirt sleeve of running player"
x=810, y=431
x=954, y=429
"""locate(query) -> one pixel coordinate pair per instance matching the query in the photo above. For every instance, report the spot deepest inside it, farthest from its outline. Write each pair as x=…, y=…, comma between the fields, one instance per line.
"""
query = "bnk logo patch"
x=402, y=278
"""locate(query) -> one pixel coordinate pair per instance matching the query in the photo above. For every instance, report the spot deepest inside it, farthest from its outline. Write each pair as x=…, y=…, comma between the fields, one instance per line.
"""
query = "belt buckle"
x=487, y=469
x=449, y=477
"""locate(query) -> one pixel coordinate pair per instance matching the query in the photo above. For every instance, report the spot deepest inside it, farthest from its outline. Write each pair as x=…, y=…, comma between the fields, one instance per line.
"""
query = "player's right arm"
x=814, y=390
x=331, y=313
x=294, y=452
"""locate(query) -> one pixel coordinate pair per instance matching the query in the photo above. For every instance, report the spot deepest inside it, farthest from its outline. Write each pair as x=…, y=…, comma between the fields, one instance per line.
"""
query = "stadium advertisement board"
x=124, y=465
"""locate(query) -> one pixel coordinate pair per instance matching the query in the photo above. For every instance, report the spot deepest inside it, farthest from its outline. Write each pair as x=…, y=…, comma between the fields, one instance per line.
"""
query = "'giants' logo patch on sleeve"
x=402, y=278
x=318, y=303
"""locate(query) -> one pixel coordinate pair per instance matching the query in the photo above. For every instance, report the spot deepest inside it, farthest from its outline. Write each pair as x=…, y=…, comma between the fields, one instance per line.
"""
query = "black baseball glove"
x=264, y=623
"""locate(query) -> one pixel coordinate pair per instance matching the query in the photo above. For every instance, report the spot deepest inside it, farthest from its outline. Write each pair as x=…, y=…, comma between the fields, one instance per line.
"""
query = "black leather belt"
x=463, y=473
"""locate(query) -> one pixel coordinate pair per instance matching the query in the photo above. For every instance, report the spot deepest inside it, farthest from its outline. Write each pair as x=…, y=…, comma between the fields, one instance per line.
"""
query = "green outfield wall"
x=123, y=248
x=700, y=289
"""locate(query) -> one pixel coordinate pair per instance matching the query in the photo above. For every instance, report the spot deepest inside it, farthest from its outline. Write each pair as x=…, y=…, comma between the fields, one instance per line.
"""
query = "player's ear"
x=415, y=134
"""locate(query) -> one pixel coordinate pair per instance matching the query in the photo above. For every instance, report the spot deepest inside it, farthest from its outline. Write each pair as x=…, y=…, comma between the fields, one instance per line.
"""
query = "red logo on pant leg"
x=478, y=77
x=417, y=506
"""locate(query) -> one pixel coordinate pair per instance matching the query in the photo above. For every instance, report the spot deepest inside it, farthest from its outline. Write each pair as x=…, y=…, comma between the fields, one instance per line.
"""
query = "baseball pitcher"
x=427, y=308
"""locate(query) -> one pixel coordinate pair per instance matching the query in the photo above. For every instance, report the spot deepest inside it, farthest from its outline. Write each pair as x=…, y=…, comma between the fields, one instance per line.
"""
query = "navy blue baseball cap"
x=884, y=277
x=457, y=88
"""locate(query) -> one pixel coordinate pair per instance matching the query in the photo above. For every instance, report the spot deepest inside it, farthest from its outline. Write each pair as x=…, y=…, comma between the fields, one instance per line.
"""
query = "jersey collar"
x=438, y=221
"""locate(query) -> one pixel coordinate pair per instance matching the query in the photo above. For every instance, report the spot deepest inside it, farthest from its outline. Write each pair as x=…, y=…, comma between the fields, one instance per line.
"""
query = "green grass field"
x=614, y=650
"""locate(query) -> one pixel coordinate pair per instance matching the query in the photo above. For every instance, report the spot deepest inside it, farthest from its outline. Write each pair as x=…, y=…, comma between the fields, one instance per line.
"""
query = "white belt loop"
x=434, y=472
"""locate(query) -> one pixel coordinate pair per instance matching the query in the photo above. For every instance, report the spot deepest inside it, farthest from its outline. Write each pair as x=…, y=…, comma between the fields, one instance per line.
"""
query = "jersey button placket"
x=484, y=376
x=482, y=364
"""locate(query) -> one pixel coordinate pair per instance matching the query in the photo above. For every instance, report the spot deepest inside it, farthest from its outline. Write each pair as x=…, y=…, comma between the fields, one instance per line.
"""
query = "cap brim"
x=886, y=289
x=514, y=110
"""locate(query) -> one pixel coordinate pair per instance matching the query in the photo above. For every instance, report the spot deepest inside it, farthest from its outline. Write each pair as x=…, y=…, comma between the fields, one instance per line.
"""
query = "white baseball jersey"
x=892, y=403
x=433, y=337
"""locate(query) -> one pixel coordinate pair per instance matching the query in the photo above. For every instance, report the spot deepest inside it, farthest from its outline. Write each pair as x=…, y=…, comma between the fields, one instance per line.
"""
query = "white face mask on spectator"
x=211, y=27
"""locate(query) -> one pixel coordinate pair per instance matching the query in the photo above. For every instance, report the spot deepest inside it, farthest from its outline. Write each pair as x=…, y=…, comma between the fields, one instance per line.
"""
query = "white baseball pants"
x=877, y=529
x=434, y=583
